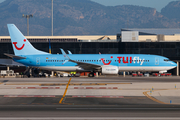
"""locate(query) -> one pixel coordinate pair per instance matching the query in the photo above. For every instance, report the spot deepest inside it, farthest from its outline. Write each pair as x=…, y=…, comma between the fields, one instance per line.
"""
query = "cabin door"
x=156, y=61
x=37, y=61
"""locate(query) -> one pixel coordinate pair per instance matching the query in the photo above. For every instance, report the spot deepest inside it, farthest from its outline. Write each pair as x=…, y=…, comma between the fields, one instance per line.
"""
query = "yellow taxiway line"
x=154, y=99
x=65, y=91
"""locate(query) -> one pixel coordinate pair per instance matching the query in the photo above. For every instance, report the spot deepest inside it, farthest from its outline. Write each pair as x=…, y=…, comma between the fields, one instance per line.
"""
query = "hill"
x=171, y=11
x=79, y=17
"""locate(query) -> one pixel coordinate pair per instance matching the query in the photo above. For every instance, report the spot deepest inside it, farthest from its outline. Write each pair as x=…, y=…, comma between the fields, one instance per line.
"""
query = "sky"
x=157, y=4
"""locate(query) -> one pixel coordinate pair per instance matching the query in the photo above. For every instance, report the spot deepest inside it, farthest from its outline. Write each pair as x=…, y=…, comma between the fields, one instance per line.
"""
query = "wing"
x=11, y=65
x=86, y=66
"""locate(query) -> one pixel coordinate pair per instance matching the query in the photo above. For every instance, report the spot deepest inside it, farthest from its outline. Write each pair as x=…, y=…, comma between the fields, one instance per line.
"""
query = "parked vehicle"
x=64, y=75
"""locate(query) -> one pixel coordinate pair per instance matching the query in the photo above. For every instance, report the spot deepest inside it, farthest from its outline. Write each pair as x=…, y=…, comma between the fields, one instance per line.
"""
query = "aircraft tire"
x=91, y=74
x=28, y=76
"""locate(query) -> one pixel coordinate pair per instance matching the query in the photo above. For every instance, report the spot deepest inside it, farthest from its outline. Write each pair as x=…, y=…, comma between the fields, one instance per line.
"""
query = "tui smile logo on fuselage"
x=19, y=48
x=103, y=60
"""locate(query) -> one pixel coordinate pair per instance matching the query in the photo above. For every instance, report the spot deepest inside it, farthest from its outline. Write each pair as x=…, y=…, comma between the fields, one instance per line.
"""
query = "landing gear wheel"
x=28, y=75
x=91, y=74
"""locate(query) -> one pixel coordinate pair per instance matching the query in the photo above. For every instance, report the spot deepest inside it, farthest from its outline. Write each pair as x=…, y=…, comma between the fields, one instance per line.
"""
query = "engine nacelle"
x=109, y=70
x=165, y=71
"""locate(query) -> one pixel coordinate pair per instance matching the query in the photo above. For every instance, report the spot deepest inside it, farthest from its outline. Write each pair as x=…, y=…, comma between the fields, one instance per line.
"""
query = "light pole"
x=52, y=17
x=27, y=17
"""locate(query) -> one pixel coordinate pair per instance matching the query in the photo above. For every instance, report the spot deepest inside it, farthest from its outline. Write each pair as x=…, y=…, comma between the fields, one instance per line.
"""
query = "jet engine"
x=109, y=70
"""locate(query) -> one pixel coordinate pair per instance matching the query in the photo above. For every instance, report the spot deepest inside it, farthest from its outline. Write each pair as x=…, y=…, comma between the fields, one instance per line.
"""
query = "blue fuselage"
x=125, y=62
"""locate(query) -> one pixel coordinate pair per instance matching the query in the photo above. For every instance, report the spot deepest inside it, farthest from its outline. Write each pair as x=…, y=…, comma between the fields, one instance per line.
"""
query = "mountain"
x=79, y=17
x=171, y=11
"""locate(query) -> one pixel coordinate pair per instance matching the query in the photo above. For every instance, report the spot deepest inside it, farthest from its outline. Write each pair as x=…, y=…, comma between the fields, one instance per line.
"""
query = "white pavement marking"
x=89, y=118
x=29, y=96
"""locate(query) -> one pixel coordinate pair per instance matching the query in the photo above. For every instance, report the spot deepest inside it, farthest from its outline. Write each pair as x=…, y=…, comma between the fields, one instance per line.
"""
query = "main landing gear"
x=92, y=74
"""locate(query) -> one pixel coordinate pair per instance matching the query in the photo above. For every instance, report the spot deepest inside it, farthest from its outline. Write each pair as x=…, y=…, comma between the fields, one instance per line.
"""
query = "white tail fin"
x=21, y=45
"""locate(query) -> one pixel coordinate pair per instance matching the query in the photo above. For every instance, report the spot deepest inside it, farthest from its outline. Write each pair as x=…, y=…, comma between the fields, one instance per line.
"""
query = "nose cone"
x=173, y=64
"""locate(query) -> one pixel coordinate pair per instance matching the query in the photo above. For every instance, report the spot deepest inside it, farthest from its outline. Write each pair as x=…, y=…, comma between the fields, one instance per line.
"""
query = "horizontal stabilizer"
x=14, y=56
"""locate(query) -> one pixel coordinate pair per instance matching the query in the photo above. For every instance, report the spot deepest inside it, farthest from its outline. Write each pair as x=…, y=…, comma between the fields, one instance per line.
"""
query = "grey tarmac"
x=127, y=107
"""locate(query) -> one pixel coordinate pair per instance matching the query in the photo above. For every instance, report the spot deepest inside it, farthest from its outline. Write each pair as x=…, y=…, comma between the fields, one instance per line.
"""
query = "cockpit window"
x=166, y=60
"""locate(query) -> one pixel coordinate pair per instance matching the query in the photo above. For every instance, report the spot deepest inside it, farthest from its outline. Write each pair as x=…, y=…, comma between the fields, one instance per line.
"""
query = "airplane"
x=27, y=55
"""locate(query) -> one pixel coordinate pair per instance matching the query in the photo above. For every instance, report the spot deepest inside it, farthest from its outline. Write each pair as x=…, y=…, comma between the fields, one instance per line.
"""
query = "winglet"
x=64, y=54
x=69, y=52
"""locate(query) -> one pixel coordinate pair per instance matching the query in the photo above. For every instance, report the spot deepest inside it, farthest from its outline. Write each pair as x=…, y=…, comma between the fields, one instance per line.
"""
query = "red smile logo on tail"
x=18, y=47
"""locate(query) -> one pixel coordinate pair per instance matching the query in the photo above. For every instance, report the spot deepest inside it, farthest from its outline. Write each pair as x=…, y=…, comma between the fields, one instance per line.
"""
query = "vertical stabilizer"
x=21, y=45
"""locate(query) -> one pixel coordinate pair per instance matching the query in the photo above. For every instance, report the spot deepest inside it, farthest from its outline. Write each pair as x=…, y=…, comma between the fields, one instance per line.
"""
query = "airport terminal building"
x=164, y=42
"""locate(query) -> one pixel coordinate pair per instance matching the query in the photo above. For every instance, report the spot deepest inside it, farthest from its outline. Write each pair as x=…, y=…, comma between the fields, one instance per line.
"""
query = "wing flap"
x=86, y=65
